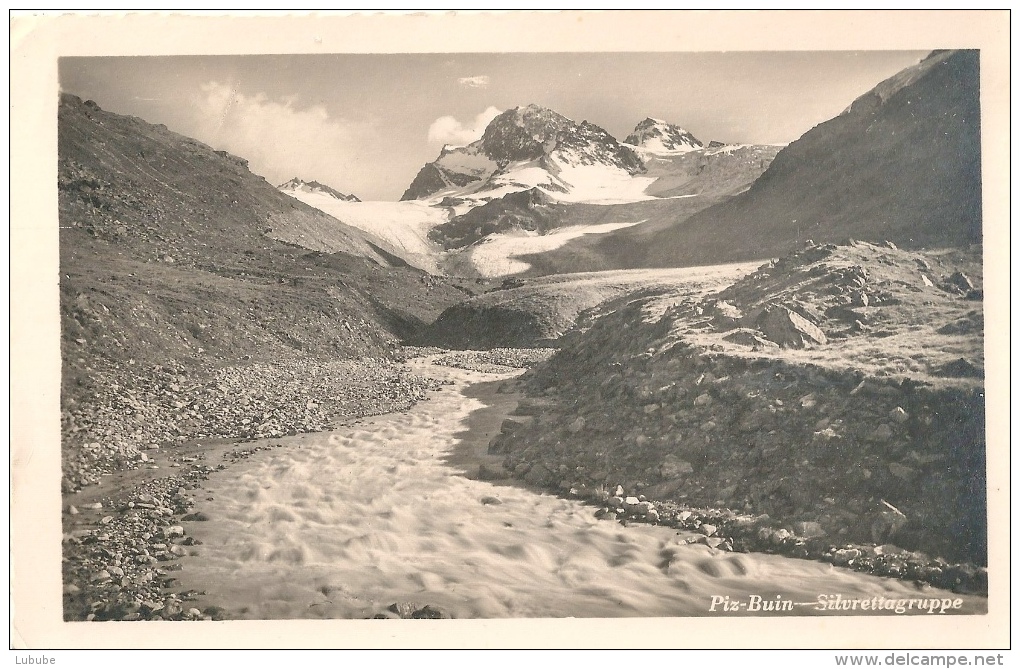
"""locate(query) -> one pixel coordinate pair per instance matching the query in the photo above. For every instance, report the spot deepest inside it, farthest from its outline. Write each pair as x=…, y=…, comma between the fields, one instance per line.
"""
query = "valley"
x=564, y=375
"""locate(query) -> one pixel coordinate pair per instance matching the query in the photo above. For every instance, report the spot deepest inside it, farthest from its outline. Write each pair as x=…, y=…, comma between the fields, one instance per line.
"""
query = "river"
x=343, y=524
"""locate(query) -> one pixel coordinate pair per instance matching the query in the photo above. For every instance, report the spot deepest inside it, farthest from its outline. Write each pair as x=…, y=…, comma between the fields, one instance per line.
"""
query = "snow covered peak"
x=534, y=132
x=300, y=185
x=658, y=136
x=528, y=147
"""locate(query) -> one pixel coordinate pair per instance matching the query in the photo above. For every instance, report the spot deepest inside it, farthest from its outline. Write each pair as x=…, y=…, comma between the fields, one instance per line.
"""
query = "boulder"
x=725, y=315
x=960, y=282
x=808, y=529
x=789, y=329
x=491, y=472
x=751, y=338
x=673, y=467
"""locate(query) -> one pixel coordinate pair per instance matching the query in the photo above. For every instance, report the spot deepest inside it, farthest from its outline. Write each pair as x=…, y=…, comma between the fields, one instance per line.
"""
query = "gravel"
x=130, y=411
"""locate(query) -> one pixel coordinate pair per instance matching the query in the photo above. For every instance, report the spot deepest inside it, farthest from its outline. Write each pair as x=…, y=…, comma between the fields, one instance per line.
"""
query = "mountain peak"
x=529, y=137
x=658, y=136
x=297, y=184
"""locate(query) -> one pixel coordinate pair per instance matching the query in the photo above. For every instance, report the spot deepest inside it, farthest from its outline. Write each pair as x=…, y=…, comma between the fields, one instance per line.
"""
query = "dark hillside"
x=903, y=163
x=167, y=262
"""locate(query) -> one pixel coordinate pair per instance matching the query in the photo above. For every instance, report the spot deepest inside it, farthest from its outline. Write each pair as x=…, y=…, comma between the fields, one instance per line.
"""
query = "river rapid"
x=343, y=524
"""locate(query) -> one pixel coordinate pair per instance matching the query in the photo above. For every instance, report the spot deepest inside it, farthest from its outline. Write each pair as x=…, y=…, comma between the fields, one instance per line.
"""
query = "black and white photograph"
x=678, y=334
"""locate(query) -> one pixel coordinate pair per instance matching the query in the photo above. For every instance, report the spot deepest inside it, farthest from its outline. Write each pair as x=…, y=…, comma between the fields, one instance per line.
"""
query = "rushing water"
x=342, y=524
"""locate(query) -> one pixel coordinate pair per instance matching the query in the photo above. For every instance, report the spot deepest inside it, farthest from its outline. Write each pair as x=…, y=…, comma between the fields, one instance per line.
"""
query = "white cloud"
x=479, y=81
x=448, y=130
x=279, y=139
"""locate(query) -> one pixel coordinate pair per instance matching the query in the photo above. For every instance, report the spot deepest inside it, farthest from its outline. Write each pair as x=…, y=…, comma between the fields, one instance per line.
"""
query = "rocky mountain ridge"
x=297, y=184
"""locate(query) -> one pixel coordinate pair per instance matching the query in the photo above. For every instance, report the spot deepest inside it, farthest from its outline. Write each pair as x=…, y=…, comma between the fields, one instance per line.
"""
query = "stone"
x=673, y=467
x=751, y=338
x=899, y=415
x=845, y=556
x=902, y=472
x=488, y=499
x=576, y=426
x=926, y=281
x=173, y=531
x=779, y=536
x=808, y=529
x=726, y=315
x=825, y=435
x=429, y=612
x=960, y=281
x=703, y=400
x=537, y=474
x=961, y=367
x=491, y=472
x=73, y=510
x=708, y=530
x=644, y=508
x=403, y=609
x=881, y=434
x=788, y=328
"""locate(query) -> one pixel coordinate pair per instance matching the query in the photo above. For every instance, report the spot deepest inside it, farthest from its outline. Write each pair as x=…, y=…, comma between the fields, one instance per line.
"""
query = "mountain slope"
x=158, y=193
x=166, y=260
x=902, y=163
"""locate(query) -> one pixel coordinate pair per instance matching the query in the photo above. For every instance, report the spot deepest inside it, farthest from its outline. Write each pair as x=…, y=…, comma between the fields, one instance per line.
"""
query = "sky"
x=366, y=123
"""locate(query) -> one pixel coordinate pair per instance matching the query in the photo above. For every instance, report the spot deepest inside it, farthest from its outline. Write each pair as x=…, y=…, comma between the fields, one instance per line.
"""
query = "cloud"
x=279, y=139
x=480, y=81
x=448, y=130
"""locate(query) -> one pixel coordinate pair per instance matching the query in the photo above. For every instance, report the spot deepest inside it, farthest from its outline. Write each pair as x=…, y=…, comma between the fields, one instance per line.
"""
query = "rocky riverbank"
x=161, y=431
x=728, y=530
x=837, y=391
x=127, y=413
